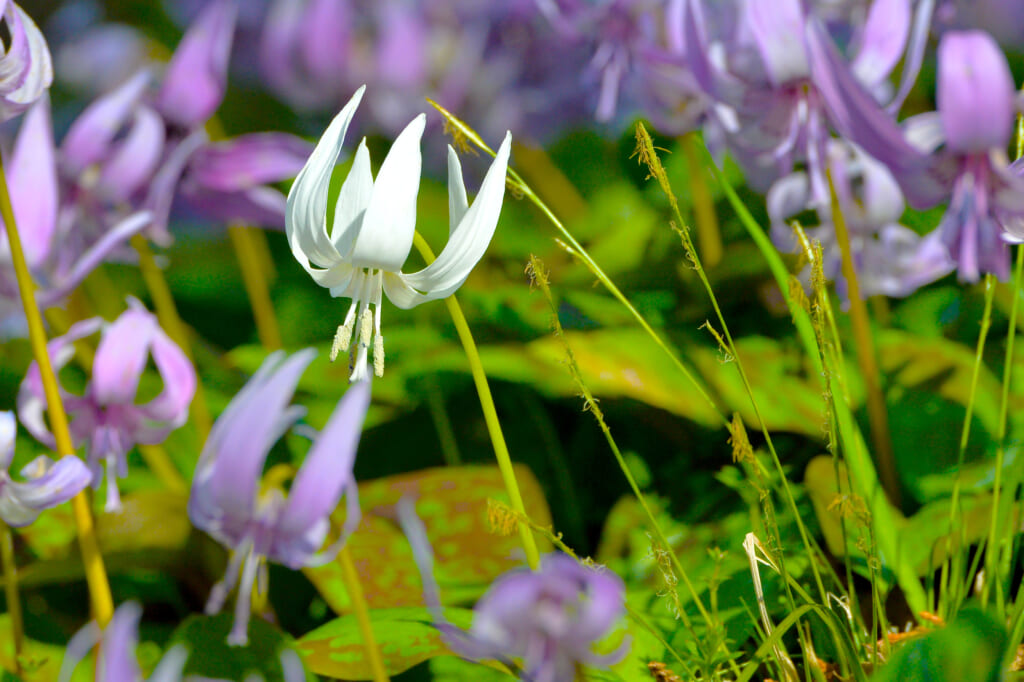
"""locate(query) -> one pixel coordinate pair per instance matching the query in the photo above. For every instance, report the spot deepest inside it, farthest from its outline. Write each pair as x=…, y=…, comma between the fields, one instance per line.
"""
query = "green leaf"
x=210, y=655
x=39, y=662
x=452, y=502
x=970, y=649
x=406, y=636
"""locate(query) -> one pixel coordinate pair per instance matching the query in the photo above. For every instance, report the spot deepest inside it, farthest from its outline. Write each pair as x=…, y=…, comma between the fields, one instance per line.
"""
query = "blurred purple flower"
x=196, y=78
x=891, y=260
x=549, y=619
x=26, y=68
x=57, y=256
x=115, y=660
x=957, y=153
x=256, y=523
x=47, y=484
x=106, y=416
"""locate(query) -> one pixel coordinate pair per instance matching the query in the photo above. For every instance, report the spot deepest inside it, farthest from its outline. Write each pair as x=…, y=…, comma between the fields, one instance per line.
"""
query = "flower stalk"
x=490, y=413
x=878, y=416
x=709, y=237
x=245, y=241
x=92, y=559
x=350, y=576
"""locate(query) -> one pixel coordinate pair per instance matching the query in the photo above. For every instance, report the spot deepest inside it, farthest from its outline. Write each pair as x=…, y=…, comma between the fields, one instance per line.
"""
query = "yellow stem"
x=11, y=593
x=557, y=189
x=251, y=262
x=878, y=416
x=476, y=367
x=92, y=560
x=355, y=592
x=167, y=312
x=709, y=237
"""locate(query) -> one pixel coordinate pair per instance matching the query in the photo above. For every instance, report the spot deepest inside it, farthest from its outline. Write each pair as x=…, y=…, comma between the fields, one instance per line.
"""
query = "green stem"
x=254, y=278
x=709, y=237
x=11, y=594
x=483, y=389
x=92, y=559
x=442, y=424
x=354, y=588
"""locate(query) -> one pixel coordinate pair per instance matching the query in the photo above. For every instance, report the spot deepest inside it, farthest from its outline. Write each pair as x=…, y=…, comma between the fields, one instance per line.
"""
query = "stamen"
x=343, y=338
x=378, y=355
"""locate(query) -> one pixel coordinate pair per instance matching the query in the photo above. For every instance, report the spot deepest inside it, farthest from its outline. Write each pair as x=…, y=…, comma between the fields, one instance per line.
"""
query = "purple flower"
x=549, y=619
x=194, y=83
x=106, y=416
x=262, y=523
x=26, y=68
x=48, y=483
x=957, y=153
x=115, y=660
x=57, y=256
x=891, y=260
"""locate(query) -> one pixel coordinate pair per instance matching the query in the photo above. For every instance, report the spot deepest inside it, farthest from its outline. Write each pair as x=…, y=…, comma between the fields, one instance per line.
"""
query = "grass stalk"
x=483, y=389
x=167, y=313
x=92, y=559
x=255, y=279
x=350, y=576
x=864, y=345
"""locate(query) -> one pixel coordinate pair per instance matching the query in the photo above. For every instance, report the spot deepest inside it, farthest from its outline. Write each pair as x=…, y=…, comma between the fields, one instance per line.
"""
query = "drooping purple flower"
x=56, y=254
x=548, y=619
x=47, y=483
x=258, y=524
x=26, y=68
x=956, y=154
x=750, y=58
x=890, y=259
x=106, y=417
x=115, y=657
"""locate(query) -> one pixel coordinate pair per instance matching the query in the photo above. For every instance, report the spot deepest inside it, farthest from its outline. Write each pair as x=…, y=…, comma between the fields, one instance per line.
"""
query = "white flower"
x=374, y=222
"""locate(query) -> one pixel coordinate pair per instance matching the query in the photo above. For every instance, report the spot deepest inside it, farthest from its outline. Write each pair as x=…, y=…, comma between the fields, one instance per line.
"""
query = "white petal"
x=390, y=220
x=469, y=240
x=457, y=201
x=352, y=201
x=306, y=209
x=400, y=293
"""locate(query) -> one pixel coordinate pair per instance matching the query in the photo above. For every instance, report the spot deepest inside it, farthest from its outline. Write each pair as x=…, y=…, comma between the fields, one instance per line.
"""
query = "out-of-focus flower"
x=115, y=660
x=26, y=68
x=196, y=78
x=548, y=619
x=890, y=259
x=230, y=180
x=56, y=255
x=957, y=153
x=261, y=523
x=47, y=483
x=361, y=254
x=106, y=416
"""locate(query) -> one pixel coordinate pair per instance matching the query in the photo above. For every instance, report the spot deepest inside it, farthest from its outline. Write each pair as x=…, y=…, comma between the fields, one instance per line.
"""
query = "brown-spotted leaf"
x=452, y=502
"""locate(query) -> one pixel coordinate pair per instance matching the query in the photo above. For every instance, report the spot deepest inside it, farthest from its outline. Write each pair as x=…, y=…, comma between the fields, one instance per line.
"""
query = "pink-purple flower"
x=26, y=68
x=259, y=523
x=47, y=483
x=106, y=417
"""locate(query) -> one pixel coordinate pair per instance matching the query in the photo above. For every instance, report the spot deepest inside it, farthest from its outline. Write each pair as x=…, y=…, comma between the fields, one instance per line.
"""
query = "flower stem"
x=245, y=240
x=11, y=594
x=362, y=611
x=167, y=313
x=490, y=413
x=92, y=560
x=709, y=237
x=878, y=415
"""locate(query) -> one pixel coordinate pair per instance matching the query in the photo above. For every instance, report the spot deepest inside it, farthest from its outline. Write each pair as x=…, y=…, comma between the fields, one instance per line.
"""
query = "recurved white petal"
x=306, y=208
x=352, y=201
x=468, y=241
x=390, y=219
x=457, y=201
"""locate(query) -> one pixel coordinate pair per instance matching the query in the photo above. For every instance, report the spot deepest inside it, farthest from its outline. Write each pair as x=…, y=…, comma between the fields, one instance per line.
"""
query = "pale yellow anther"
x=378, y=355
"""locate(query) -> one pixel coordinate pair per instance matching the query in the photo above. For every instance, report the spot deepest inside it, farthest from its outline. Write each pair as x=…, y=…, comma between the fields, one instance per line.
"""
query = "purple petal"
x=975, y=92
x=324, y=475
x=26, y=68
x=248, y=161
x=253, y=207
x=776, y=28
x=196, y=77
x=179, y=380
x=882, y=41
x=117, y=650
x=121, y=357
x=135, y=159
x=89, y=138
x=8, y=432
x=49, y=484
x=33, y=183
